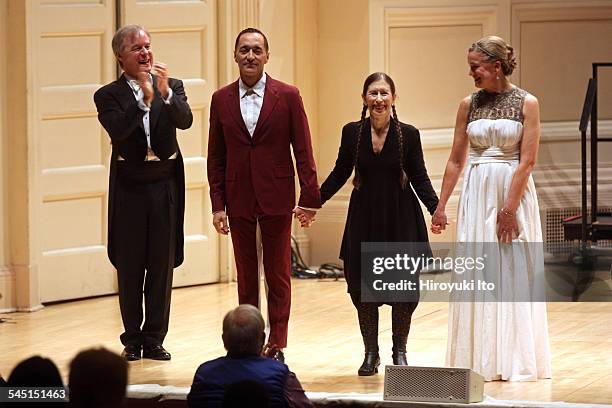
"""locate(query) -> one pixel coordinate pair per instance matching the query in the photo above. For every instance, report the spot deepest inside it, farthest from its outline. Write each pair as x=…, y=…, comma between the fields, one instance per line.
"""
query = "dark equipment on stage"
x=432, y=384
x=591, y=226
x=299, y=269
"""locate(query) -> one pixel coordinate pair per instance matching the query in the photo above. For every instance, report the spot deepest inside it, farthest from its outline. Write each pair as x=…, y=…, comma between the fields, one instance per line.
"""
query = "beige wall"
x=4, y=242
x=421, y=43
x=342, y=65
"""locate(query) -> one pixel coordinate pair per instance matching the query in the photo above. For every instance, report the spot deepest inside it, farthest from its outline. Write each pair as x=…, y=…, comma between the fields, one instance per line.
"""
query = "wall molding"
x=7, y=289
x=387, y=14
x=554, y=11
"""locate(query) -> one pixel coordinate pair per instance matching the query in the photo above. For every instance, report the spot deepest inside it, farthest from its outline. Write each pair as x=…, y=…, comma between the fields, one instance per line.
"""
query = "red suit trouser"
x=276, y=242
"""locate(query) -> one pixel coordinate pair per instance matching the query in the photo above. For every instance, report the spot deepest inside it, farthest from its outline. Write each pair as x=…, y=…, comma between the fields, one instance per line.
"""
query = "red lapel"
x=233, y=103
x=270, y=100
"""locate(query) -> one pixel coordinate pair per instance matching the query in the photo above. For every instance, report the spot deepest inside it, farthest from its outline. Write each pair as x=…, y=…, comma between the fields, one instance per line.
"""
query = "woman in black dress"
x=383, y=206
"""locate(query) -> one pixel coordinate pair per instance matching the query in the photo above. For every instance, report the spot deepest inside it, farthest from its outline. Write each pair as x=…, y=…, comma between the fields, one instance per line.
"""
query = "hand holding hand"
x=306, y=217
x=161, y=72
x=147, y=87
x=507, y=227
x=438, y=221
x=220, y=222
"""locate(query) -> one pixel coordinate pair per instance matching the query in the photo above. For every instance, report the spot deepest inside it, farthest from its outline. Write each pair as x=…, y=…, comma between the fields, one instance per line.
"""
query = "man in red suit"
x=254, y=123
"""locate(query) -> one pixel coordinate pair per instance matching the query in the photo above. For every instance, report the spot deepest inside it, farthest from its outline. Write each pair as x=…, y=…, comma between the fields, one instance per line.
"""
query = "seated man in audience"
x=243, y=338
x=98, y=378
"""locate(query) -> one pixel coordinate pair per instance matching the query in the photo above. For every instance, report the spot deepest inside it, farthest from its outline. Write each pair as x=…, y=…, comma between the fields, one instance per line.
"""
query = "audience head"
x=35, y=372
x=246, y=394
x=494, y=53
x=98, y=378
x=243, y=331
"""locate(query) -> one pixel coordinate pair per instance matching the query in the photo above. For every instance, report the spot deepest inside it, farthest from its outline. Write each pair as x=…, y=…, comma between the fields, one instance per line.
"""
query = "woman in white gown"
x=497, y=132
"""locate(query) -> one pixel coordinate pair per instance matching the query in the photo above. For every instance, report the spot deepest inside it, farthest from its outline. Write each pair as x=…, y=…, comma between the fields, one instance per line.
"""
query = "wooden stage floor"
x=325, y=346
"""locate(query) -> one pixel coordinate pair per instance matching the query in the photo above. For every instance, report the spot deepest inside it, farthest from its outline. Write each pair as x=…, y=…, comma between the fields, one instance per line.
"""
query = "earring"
x=498, y=77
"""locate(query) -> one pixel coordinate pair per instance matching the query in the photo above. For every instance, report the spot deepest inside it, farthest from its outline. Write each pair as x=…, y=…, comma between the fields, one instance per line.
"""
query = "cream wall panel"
x=183, y=35
x=342, y=65
x=4, y=233
x=67, y=101
x=74, y=182
x=157, y=14
x=206, y=270
x=544, y=65
x=63, y=270
x=306, y=62
x=174, y=47
x=195, y=172
x=70, y=59
x=72, y=16
x=194, y=203
x=21, y=195
x=194, y=140
x=342, y=68
x=426, y=62
x=81, y=135
x=7, y=275
x=278, y=23
x=72, y=224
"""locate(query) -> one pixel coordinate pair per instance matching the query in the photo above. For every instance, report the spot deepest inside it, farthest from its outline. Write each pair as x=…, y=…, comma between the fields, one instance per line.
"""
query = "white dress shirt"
x=139, y=95
x=251, y=101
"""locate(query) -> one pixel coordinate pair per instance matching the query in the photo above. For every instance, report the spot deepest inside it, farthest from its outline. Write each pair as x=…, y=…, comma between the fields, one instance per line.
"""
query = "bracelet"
x=506, y=212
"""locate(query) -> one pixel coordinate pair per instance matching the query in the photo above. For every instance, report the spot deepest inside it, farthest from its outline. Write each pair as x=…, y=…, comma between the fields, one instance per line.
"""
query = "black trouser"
x=144, y=230
x=401, y=317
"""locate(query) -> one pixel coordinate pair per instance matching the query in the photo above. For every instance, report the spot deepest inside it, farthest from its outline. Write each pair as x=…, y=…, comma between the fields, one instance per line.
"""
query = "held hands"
x=161, y=71
x=220, y=222
x=438, y=221
x=306, y=217
x=507, y=227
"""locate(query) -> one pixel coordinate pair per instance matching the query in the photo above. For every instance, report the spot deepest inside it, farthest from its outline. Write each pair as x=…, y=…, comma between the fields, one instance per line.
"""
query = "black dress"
x=380, y=210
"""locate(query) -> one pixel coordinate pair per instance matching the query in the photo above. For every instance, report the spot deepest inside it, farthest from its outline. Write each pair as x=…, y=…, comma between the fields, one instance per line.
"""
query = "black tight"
x=401, y=316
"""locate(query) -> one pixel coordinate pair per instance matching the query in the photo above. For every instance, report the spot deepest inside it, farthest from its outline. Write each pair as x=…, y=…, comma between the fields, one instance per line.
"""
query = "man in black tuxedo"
x=141, y=112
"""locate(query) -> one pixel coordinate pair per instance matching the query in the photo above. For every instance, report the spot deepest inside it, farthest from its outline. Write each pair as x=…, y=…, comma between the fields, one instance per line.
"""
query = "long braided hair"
x=403, y=177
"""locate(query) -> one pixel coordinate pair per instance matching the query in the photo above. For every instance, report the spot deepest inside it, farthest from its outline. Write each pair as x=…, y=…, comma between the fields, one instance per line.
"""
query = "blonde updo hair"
x=493, y=49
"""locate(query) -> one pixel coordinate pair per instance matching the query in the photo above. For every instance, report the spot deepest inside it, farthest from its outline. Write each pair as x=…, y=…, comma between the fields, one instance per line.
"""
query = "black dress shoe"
x=370, y=364
x=275, y=354
x=399, y=358
x=131, y=352
x=156, y=352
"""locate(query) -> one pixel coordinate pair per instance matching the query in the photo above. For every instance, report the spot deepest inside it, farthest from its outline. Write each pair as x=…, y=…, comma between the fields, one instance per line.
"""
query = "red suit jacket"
x=245, y=170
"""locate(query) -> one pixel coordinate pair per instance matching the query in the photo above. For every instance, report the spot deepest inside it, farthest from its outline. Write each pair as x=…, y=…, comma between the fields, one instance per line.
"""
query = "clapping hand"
x=147, y=87
x=306, y=217
x=161, y=72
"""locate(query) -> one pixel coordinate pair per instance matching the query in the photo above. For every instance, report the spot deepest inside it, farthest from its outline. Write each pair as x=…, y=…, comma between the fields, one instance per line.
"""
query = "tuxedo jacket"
x=245, y=170
x=119, y=114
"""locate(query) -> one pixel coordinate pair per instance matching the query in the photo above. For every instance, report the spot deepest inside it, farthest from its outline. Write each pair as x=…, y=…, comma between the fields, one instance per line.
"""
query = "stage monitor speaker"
x=432, y=384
